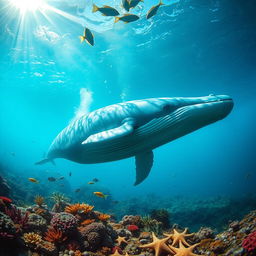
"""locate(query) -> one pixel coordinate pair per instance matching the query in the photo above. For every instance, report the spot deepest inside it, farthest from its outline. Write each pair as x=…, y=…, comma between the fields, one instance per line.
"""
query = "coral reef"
x=7, y=228
x=36, y=222
x=249, y=243
x=54, y=236
x=97, y=235
x=161, y=215
x=65, y=222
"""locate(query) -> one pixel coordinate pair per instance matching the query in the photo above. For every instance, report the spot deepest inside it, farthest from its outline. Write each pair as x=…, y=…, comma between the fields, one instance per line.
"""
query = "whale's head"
x=189, y=114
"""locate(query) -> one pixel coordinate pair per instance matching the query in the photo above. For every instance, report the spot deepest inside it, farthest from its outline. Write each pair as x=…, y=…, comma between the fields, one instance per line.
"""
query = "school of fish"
x=112, y=12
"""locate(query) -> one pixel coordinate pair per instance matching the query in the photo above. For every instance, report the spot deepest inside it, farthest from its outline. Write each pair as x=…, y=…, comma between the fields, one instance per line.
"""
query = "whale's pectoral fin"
x=144, y=162
x=127, y=127
x=44, y=161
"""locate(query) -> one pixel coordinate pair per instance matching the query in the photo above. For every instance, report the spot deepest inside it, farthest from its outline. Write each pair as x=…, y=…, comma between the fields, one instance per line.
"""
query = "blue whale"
x=135, y=128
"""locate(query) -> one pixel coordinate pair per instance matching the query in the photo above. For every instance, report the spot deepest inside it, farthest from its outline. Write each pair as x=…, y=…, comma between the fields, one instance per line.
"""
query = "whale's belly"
x=157, y=132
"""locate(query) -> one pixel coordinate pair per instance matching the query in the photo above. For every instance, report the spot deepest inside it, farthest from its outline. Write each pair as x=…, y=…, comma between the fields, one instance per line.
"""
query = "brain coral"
x=97, y=235
x=64, y=222
x=7, y=228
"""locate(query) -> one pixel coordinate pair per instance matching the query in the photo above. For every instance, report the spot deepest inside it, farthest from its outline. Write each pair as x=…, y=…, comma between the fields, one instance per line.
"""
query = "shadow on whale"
x=135, y=128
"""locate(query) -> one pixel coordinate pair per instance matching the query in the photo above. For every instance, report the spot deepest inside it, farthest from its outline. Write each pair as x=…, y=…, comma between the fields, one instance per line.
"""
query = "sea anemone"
x=54, y=236
x=87, y=222
x=78, y=208
x=249, y=243
x=104, y=217
x=32, y=239
x=65, y=222
x=39, y=200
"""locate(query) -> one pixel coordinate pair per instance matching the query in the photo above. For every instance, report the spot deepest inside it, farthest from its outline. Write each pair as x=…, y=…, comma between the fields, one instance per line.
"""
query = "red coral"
x=132, y=228
x=6, y=199
x=249, y=242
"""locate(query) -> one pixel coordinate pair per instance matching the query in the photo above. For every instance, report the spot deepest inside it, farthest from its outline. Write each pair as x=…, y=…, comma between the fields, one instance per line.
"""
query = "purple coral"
x=7, y=228
x=97, y=235
x=65, y=222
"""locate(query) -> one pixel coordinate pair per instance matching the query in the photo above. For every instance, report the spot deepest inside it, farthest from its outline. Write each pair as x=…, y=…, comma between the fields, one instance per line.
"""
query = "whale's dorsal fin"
x=144, y=162
x=126, y=128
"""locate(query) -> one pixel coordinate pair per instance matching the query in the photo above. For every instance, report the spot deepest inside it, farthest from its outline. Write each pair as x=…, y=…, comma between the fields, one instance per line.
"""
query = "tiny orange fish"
x=100, y=194
x=33, y=180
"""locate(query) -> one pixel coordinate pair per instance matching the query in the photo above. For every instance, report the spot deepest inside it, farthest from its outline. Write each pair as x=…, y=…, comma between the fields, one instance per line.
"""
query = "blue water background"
x=191, y=48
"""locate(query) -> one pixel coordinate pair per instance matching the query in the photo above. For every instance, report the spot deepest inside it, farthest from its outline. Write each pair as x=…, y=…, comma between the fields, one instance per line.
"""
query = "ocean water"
x=190, y=48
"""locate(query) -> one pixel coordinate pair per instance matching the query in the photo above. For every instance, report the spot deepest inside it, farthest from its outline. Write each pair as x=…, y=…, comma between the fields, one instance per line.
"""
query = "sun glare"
x=28, y=5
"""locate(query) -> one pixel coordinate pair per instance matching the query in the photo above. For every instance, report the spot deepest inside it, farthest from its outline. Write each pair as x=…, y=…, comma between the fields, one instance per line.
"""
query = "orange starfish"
x=184, y=251
x=179, y=237
x=120, y=240
x=158, y=245
x=116, y=253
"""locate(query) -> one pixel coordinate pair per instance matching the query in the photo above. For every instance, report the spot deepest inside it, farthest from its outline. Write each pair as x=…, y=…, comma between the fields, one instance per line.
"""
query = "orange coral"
x=104, y=217
x=54, y=236
x=78, y=208
x=77, y=253
x=87, y=222
x=39, y=200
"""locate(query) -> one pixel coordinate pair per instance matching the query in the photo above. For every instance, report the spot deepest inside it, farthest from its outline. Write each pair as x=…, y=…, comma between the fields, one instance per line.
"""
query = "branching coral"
x=20, y=220
x=103, y=217
x=39, y=200
x=78, y=208
x=249, y=243
x=32, y=239
x=54, y=236
x=87, y=222
x=7, y=228
x=59, y=198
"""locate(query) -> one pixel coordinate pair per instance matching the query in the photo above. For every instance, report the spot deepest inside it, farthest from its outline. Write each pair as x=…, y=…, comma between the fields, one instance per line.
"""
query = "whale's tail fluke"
x=44, y=161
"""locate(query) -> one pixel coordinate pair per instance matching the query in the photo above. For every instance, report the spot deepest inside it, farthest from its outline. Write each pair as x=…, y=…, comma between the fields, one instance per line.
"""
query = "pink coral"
x=249, y=242
x=65, y=222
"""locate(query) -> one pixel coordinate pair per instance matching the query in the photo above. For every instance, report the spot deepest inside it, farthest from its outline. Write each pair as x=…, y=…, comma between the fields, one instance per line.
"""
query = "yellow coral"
x=104, y=217
x=32, y=238
x=78, y=208
x=39, y=200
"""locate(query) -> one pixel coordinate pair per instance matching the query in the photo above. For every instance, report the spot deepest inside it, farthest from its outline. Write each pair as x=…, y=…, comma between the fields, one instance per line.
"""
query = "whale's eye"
x=168, y=108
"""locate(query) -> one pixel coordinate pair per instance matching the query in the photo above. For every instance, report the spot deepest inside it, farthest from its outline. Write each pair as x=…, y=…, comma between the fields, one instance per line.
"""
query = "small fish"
x=100, y=194
x=88, y=37
x=70, y=173
x=77, y=190
x=91, y=182
x=61, y=178
x=52, y=179
x=153, y=10
x=127, y=18
x=95, y=180
x=105, y=10
x=134, y=3
x=126, y=5
x=33, y=180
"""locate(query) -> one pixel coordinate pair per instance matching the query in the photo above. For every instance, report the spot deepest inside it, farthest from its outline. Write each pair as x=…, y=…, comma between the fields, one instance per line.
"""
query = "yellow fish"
x=88, y=37
x=100, y=194
x=33, y=180
x=154, y=10
x=90, y=182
